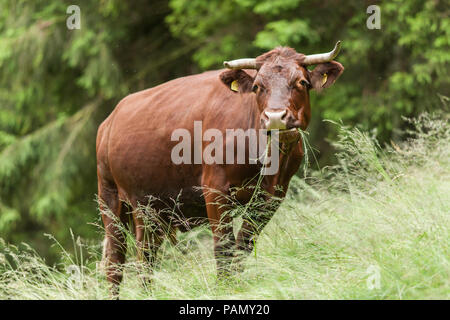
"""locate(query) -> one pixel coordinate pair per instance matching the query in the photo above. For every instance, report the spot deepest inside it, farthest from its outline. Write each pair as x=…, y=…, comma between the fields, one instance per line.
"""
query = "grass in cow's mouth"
x=375, y=226
x=308, y=150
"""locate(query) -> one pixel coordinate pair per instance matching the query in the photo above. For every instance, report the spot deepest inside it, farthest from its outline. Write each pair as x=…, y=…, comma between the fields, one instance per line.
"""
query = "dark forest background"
x=57, y=85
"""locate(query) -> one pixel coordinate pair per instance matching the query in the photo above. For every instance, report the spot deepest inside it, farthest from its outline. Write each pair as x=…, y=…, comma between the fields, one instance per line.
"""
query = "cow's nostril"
x=275, y=114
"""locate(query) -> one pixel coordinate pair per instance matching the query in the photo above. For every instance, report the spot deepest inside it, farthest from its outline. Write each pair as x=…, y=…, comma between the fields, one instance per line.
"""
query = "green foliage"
x=284, y=31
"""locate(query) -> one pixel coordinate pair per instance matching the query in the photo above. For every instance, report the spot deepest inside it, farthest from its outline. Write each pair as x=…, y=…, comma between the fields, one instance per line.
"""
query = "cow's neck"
x=290, y=149
x=288, y=164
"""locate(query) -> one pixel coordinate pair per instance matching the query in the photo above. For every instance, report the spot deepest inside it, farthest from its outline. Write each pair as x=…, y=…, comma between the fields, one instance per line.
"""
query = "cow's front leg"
x=254, y=221
x=250, y=230
x=217, y=206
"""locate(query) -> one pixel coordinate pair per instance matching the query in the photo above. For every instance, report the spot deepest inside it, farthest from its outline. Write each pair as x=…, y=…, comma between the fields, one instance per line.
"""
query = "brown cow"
x=134, y=148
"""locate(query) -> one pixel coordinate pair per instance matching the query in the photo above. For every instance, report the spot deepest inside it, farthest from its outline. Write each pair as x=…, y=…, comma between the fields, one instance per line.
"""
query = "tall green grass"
x=375, y=226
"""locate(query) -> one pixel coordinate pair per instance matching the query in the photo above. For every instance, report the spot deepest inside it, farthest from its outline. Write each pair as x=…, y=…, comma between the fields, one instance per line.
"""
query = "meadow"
x=374, y=226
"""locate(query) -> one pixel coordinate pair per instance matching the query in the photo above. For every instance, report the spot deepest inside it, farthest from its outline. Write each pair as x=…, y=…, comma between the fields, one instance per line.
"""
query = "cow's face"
x=281, y=87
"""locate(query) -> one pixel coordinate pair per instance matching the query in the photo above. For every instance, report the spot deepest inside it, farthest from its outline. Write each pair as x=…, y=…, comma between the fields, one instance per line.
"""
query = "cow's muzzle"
x=278, y=119
x=274, y=120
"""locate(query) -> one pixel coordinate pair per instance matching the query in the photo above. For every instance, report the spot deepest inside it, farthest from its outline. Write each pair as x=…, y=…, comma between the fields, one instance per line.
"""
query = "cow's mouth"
x=289, y=130
x=287, y=136
x=283, y=131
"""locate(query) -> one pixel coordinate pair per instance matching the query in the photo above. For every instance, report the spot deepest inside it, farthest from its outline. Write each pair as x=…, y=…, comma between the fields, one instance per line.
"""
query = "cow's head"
x=282, y=83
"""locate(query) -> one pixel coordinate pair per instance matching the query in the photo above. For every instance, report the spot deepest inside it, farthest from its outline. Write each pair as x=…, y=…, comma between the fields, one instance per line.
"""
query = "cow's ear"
x=325, y=74
x=237, y=80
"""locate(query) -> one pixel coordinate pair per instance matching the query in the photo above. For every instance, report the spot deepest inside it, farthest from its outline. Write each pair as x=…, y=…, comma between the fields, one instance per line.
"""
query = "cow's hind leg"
x=149, y=237
x=113, y=213
x=217, y=206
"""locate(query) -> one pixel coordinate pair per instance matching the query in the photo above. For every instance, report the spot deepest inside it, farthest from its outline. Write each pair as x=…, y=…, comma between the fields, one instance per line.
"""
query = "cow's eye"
x=305, y=83
x=255, y=88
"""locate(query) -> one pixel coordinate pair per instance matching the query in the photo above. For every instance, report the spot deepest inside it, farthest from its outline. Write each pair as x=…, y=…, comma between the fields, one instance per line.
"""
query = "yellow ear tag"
x=324, y=79
x=235, y=86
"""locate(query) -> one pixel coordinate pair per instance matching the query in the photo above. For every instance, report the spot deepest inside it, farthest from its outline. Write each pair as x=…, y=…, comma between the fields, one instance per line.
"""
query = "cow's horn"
x=241, y=64
x=323, y=57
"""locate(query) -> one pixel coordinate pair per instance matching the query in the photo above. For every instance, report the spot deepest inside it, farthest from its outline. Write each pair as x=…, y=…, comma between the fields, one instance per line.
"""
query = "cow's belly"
x=141, y=165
